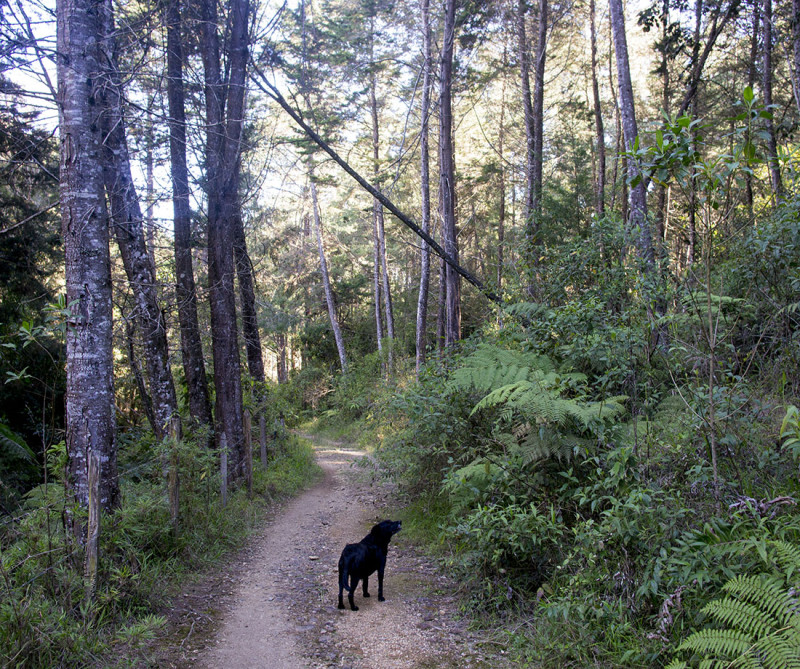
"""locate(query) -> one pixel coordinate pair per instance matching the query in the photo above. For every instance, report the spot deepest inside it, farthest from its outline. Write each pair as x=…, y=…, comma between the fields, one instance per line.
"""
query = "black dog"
x=360, y=560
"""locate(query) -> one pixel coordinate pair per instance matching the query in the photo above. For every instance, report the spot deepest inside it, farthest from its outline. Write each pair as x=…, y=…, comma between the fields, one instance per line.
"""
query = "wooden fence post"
x=223, y=468
x=248, y=451
x=92, y=528
x=173, y=481
x=262, y=429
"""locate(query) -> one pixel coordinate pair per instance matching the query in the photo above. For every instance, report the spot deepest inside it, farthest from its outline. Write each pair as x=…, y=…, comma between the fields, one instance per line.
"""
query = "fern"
x=14, y=445
x=757, y=622
x=490, y=367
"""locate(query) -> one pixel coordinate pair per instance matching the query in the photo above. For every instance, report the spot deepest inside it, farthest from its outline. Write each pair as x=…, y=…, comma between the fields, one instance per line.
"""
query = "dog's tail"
x=344, y=577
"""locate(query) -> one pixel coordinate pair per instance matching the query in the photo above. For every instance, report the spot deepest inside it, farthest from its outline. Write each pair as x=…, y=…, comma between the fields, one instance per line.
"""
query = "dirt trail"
x=275, y=605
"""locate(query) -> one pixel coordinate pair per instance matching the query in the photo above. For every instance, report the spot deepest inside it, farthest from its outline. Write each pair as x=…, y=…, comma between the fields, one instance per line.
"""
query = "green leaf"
x=747, y=94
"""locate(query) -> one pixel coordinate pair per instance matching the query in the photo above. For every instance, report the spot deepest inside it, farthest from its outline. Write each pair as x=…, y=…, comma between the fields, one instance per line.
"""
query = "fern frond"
x=742, y=615
x=490, y=367
x=787, y=556
x=725, y=643
x=767, y=593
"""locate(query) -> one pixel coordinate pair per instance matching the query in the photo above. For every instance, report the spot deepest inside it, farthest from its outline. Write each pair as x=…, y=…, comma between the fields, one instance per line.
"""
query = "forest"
x=540, y=258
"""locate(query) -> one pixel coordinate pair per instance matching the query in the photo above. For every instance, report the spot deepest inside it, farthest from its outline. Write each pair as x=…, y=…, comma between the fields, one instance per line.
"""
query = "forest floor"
x=273, y=605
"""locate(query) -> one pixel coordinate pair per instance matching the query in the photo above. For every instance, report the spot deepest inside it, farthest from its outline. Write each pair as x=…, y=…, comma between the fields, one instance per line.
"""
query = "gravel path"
x=274, y=605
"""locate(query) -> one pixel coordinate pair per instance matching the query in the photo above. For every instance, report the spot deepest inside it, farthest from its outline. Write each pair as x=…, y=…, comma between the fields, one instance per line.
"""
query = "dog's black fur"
x=360, y=560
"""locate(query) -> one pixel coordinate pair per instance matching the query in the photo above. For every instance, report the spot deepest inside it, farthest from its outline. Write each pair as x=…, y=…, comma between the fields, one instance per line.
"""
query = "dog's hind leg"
x=351, y=590
x=365, y=588
x=342, y=585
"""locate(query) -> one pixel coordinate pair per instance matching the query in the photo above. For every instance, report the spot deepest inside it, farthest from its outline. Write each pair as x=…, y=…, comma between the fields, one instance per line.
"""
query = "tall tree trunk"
x=326, y=280
x=425, y=252
x=128, y=223
x=191, y=347
x=501, y=214
x=751, y=80
x=447, y=187
x=600, y=184
x=796, y=52
x=376, y=277
x=661, y=210
x=247, y=298
x=90, y=421
x=638, y=194
x=222, y=156
x=280, y=345
x=528, y=204
x=150, y=193
x=377, y=208
x=772, y=147
x=538, y=116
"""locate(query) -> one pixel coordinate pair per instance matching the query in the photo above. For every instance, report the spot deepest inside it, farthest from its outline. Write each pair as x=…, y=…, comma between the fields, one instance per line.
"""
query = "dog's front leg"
x=381, y=567
x=366, y=586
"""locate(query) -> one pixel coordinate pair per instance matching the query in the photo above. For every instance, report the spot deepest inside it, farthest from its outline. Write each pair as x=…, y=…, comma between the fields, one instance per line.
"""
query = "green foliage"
x=756, y=623
x=44, y=620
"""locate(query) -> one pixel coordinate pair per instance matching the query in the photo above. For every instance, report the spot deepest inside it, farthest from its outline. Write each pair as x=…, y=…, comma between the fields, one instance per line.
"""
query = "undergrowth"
x=45, y=620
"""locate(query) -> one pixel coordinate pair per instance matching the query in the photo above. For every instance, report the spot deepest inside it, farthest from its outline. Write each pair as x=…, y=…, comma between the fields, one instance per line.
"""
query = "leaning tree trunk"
x=638, y=194
x=128, y=223
x=326, y=281
x=90, y=422
x=425, y=252
x=447, y=188
x=191, y=347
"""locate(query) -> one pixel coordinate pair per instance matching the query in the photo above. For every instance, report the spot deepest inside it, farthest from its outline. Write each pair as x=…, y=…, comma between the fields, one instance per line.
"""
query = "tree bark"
x=223, y=135
x=128, y=223
x=447, y=189
x=751, y=80
x=527, y=107
x=769, y=126
x=425, y=181
x=638, y=194
x=377, y=208
x=191, y=347
x=326, y=281
x=796, y=52
x=538, y=116
x=247, y=298
x=600, y=183
x=90, y=420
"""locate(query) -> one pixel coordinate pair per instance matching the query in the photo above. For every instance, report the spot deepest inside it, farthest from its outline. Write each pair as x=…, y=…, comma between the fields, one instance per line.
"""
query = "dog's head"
x=384, y=530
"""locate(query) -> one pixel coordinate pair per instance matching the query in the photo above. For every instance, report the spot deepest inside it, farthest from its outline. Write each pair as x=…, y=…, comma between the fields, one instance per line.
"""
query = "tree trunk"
x=751, y=80
x=376, y=277
x=126, y=215
x=326, y=281
x=90, y=420
x=638, y=194
x=425, y=252
x=222, y=159
x=600, y=183
x=796, y=51
x=501, y=196
x=247, y=298
x=527, y=107
x=538, y=117
x=447, y=189
x=772, y=147
x=191, y=347
x=377, y=207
